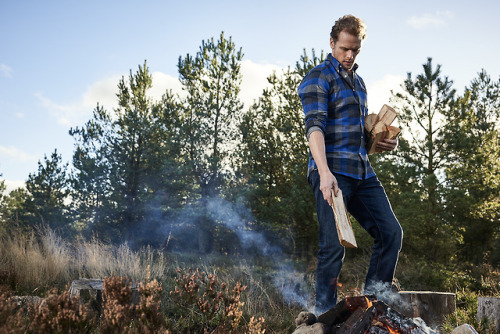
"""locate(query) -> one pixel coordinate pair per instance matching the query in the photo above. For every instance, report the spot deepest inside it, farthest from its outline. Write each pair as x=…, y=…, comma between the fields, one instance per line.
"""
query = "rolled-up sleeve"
x=313, y=92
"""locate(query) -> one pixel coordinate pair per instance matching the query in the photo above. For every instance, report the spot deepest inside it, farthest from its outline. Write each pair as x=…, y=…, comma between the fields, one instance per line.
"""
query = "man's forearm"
x=317, y=146
x=327, y=179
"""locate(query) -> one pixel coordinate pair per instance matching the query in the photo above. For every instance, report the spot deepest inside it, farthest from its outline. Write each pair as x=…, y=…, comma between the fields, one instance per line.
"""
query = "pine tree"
x=274, y=159
x=48, y=189
x=473, y=172
x=422, y=106
x=211, y=113
x=128, y=163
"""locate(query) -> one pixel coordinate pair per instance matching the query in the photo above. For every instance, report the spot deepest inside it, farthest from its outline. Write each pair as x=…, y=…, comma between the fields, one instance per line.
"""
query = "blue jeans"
x=366, y=201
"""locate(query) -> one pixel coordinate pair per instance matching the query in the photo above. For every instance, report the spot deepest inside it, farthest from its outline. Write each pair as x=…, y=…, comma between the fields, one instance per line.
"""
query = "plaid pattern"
x=335, y=104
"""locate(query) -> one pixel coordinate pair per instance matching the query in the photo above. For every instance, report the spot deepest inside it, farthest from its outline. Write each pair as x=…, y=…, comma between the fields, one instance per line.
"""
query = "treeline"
x=148, y=171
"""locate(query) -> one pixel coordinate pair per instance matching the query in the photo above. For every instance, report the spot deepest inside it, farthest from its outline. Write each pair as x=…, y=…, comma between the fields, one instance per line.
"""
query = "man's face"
x=346, y=48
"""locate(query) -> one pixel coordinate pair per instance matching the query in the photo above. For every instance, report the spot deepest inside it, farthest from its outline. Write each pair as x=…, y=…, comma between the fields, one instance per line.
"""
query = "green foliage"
x=210, y=118
x=48, y=189
x=274, y=159
x=14, y=212
x=128, y=163
x=420, y=160
x=210, y=112
x=473, y=172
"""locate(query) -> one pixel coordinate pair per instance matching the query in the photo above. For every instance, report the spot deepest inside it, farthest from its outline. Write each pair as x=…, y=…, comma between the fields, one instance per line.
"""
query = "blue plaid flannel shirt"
x=335, y=104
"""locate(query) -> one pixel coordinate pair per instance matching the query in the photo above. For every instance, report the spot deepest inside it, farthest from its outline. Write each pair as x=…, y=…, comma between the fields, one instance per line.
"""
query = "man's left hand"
x=387, y=144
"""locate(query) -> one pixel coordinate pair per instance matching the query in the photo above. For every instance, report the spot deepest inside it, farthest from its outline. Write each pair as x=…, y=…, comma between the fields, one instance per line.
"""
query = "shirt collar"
x=338, y=66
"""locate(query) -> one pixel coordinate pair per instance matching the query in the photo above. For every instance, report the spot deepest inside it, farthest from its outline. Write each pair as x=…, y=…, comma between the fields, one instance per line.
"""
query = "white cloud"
x=15, y=154
x=6, y=71
x=104, y=91
x=19, y=115
x=163, y=82
x=438, y=19
x=379, y=92
x=255, y=79
x=11, y=185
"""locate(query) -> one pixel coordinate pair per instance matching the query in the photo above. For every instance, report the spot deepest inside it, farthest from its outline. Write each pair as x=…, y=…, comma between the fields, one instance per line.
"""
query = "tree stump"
x=432, y=307
x=91, y=291
x=489, y=308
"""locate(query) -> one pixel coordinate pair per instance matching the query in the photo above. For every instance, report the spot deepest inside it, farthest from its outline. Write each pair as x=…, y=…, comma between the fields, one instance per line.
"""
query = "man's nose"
x=350, y=54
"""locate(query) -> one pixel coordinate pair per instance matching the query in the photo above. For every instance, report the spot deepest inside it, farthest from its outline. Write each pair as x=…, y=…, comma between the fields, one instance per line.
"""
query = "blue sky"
x=59, y=58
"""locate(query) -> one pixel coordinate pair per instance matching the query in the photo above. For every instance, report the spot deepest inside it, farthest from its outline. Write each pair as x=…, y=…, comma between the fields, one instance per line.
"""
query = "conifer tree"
x=48, y=189
x=127, y=163
x=211, y=113
x=274, y=158
x=422, y=107
x=473, y=172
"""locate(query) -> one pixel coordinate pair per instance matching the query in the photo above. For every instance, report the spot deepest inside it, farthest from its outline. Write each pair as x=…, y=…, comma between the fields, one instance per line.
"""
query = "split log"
x=488, y=308
x=432, y=307
x=378, y=127
x=344, y=227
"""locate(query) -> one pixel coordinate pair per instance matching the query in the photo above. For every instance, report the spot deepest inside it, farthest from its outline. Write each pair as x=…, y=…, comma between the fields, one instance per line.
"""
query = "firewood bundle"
x=378, y=127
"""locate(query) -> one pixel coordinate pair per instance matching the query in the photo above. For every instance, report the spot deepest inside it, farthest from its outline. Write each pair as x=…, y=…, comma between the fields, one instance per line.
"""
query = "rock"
x=489, y=308
x=24, y=302
x=464, y=329
x=307, y=318
x=317, y=328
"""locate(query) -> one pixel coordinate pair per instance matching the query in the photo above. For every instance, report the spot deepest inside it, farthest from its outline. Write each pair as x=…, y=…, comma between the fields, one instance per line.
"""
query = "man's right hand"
x=327, y=182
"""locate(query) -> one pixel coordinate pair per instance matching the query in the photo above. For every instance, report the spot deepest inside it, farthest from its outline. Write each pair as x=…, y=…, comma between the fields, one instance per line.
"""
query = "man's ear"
x=332, y=44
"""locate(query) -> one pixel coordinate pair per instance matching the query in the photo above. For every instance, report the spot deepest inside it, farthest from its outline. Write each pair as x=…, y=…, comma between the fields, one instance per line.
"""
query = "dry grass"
x=42, y=260
x=36, y=260
x=95, y=259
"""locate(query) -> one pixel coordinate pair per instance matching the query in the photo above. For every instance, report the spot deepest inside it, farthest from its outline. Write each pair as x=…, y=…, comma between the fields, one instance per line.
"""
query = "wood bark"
x=430, y=306
x=488, y=308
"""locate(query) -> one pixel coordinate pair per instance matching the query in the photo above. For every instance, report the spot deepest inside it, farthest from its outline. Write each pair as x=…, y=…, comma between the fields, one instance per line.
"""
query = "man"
x=335, y=106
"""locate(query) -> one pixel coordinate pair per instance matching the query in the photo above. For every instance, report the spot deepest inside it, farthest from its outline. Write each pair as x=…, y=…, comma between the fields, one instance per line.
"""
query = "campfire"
x=365, y=315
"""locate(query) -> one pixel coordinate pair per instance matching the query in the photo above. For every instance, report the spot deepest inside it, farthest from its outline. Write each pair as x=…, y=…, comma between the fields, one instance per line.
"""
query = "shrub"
x=60, y=313
x=123, y=314
x=206, y=305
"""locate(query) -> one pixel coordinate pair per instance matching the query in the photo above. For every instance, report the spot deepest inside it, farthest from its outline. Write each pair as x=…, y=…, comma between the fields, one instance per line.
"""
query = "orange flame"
x=392, y=330
x=368, y=303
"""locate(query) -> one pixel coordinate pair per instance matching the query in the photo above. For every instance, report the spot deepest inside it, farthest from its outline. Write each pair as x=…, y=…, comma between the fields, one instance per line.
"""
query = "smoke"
x=421, y=323
x=290, y=283
x=383, y=292
x=235, y=218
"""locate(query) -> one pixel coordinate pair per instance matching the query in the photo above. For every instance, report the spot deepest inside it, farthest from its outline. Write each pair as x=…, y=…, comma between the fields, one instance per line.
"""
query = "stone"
x=464, y=329
x=489, y=308
x=25, y=302
x=307, y=318
x=431, y=306
x=317, y=328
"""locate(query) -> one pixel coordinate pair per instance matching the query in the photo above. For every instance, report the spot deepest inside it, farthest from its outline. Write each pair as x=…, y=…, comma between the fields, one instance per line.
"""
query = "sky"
x=58, y=59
